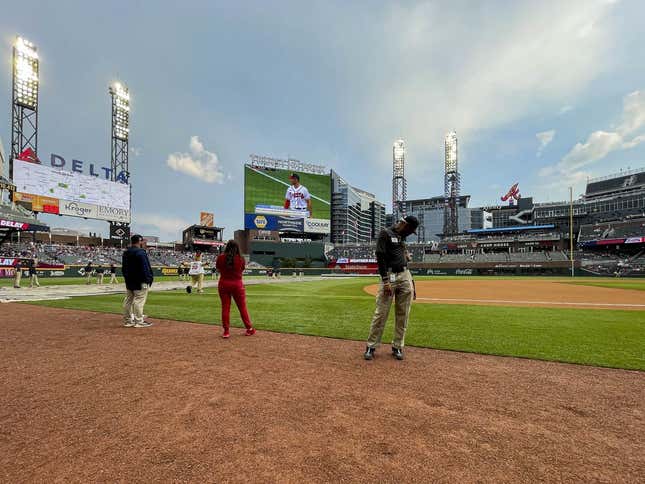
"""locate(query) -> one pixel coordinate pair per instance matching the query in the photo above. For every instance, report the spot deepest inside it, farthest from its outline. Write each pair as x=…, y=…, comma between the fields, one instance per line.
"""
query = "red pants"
x=234, y=289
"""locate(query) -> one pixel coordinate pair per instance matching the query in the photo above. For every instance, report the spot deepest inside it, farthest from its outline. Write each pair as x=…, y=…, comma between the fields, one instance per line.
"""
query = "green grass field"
x=261, y=190
x=340, y=308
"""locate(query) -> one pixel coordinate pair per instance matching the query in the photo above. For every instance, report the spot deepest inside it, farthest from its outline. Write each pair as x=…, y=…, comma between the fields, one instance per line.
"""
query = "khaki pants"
x=402, y=294
x=17, y=278
x=198, y=280
x=99, y=278
x=113, y=278
x=133, y=305
x=89, y=277
x=33, y=280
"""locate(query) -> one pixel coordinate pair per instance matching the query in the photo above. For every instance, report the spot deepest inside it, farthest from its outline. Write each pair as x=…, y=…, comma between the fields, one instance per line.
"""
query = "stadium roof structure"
x=514, y=228
x=625, y=181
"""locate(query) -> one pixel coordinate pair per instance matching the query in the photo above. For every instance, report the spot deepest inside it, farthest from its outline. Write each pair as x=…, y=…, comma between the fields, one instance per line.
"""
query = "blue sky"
x=542, y=93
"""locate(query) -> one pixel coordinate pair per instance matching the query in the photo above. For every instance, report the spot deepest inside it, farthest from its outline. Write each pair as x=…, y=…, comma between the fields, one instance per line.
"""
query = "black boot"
x=397, y=353
x=369, y=353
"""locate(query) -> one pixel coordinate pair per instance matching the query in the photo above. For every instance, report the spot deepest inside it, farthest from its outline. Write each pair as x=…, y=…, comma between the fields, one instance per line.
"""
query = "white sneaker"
x=145, y=324
x=129, y=325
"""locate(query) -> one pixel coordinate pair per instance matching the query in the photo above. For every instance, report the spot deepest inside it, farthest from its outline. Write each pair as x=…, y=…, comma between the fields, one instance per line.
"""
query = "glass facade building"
x=356, y=214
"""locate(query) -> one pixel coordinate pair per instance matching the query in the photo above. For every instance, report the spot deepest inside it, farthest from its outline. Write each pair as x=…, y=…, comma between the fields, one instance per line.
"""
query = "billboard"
x=56, y=191
x=207, y=219
x=118, y=232
x=264, y=196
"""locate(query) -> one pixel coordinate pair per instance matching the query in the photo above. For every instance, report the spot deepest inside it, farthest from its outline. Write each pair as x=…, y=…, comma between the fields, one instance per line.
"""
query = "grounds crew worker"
x=396, y=282
x=33, y=274
x=100, y=272
x=113, y=279
x=196, y=273
x=18, y=274
x=88, y=272
x=137, y=273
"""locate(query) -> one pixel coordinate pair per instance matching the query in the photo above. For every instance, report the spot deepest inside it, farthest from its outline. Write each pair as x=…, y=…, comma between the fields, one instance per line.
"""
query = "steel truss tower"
x=452, y=186
x=24, y=100
x=399, y=183
x=119, y=149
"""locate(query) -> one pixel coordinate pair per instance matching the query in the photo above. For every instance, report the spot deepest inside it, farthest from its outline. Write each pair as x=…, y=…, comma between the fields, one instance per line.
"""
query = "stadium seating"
x=612, y=230
x=81, y=255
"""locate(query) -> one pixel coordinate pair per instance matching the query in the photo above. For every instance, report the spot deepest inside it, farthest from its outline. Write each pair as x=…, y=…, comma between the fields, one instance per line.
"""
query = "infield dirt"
x=84, y=399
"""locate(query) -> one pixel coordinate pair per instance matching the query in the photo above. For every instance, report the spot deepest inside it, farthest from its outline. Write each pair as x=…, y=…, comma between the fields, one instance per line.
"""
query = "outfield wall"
x=509, y=270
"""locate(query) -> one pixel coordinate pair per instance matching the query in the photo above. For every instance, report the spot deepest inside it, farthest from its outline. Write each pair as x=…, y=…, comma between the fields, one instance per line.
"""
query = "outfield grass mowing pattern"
x=341, y=309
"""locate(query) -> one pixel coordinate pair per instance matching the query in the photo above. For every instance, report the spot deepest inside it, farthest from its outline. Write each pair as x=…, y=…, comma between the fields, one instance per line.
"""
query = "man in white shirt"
x=196, y=273
x=297, y=196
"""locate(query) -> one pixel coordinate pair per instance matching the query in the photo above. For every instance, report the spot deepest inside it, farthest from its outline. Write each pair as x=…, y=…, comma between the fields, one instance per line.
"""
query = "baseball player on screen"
x=297, y=196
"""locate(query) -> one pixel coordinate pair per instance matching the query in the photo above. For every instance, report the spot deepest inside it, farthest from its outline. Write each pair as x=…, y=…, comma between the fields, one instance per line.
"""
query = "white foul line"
x=554, y=303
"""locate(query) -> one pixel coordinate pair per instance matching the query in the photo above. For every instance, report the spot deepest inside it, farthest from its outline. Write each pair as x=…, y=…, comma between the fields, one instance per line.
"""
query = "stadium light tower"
x=399, y=183
x=452, y=186
x=119, y=146
x=24, y=100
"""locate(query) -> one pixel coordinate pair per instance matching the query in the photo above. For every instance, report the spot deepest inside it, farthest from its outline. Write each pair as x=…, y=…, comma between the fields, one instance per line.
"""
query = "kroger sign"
x=80, y=166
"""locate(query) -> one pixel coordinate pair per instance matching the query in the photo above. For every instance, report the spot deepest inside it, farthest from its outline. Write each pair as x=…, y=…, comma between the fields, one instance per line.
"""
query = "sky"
x=543, y=93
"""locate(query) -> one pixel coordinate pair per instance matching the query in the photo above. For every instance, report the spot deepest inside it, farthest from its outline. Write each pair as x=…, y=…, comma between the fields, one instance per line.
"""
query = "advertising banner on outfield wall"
x=254, y=221
x=317, y=226
x=635, y=240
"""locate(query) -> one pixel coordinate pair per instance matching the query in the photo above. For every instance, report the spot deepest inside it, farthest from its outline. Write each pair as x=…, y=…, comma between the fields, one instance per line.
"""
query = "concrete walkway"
x=65, y=291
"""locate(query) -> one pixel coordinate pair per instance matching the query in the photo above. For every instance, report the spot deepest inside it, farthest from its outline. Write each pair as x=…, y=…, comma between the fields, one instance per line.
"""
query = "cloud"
x=565, y=109
x=168, y=228
x=600, y=143
x=198, y=163
x=513, y=65
x=545, y=137
x=627, y=134
x=136, y=151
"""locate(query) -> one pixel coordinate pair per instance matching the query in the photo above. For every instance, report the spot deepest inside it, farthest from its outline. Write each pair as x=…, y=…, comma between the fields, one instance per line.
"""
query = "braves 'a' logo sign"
x=513, y=194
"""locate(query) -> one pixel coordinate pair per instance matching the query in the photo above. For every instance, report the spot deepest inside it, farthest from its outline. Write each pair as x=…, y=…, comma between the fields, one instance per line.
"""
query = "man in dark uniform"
x=88, y=272
x=100, y=271
x=396, y=283
x=33, y=274
x=113, y=279
x=138, y=277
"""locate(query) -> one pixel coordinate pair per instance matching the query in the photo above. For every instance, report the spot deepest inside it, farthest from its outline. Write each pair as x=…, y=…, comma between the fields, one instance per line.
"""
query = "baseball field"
x=505, y=379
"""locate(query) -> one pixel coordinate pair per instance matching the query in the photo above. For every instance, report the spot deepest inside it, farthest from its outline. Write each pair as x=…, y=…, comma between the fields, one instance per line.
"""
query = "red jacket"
x=230, y=273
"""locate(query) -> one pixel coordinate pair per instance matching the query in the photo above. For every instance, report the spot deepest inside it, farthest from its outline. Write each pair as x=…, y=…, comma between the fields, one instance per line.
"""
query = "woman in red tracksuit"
x=231, y=265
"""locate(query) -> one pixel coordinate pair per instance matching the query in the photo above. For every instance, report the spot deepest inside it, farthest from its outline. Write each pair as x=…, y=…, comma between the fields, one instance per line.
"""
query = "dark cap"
x=295, y=175
x=412, y=221
x=136, y=238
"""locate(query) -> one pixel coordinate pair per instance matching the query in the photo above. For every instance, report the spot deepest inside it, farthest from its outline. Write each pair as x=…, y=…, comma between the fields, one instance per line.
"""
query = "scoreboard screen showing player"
x=271, y=202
